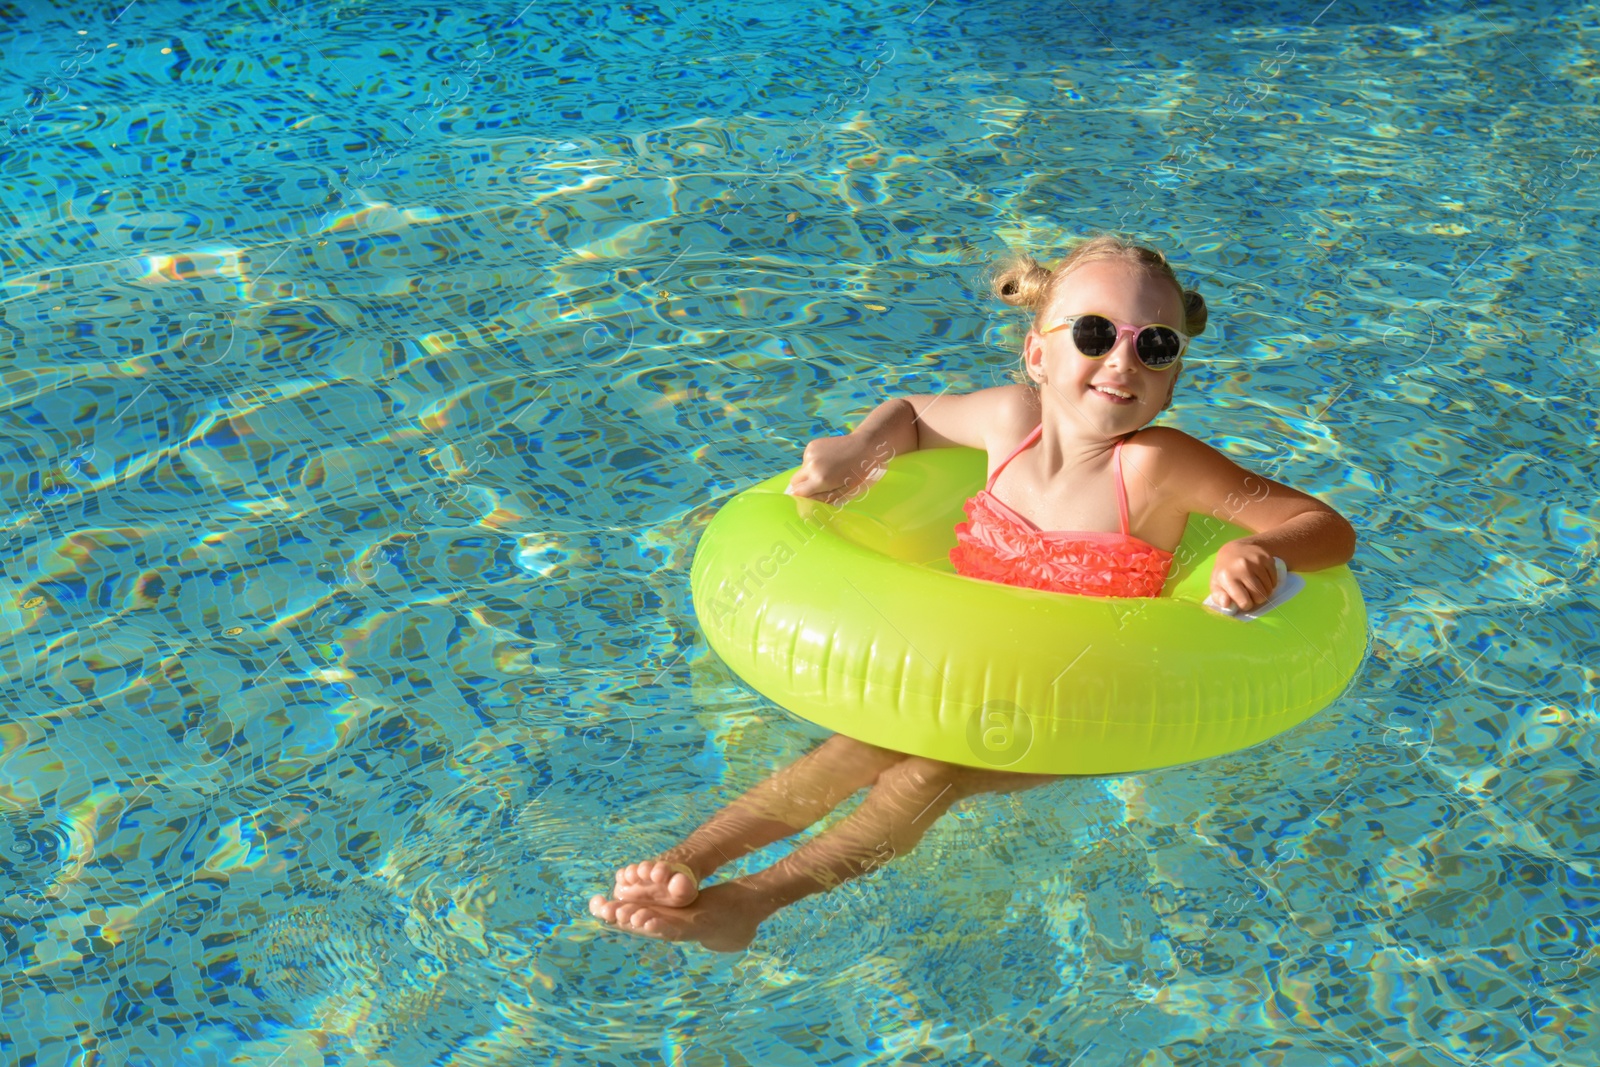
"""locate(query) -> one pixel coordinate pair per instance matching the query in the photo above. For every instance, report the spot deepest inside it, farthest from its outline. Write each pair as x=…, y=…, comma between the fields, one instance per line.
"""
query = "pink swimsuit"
x=998, y=545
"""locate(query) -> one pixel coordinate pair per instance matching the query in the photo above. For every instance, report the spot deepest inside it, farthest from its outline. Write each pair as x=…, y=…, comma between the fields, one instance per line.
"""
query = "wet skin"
x=662, y=898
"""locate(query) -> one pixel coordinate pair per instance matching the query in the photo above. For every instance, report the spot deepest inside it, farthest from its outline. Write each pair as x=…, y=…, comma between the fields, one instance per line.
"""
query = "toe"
x=645, y=921
x=682, y=885
x=642, y=918
x=631, y=876
x=631, y=880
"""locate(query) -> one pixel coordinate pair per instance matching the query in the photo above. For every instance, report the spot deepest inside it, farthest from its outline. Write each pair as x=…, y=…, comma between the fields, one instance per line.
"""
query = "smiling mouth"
x=1116, y=395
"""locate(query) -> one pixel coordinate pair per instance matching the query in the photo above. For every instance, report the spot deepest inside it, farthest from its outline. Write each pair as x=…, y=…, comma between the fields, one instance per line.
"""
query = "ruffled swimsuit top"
x=999, y=545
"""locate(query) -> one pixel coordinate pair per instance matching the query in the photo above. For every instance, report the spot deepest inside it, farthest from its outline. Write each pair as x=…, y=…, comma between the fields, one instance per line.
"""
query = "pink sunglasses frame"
x=1123, y=329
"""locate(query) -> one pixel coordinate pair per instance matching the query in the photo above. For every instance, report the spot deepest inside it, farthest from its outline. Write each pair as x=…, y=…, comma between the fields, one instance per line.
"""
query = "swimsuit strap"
x=1122, y=494
x=1026, y=441
x=1116, y=472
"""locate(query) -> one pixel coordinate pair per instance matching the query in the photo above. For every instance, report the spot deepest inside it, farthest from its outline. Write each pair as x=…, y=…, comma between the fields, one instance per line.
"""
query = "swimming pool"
x=371, y=370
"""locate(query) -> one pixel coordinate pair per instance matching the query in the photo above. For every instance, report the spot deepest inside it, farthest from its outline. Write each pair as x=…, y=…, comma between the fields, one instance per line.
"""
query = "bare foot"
x=723, y=918
x=672, y=885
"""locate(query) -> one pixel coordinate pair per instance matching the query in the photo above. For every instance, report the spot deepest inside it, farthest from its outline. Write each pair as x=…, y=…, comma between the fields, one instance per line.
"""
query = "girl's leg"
x=908, y=798
x=909, y=795
x=785, y=803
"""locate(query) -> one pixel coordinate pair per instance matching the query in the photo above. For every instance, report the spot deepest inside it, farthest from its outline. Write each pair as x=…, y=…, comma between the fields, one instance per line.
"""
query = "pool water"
x=371, y=370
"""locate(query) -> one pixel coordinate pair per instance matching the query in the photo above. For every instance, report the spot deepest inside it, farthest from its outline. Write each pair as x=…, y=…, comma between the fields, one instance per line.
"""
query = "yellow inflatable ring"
x=853, y=618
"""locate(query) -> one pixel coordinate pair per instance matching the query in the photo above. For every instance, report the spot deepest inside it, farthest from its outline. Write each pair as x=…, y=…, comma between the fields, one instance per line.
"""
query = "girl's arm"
x=1299, y=529
x=833, y=468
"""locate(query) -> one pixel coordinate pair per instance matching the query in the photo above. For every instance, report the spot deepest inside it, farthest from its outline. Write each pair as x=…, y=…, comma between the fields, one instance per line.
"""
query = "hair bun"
x=1021, y=282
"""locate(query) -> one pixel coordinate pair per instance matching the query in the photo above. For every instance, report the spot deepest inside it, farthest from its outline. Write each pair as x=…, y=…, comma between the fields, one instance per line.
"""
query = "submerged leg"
x=788, y=801
x=906, y=800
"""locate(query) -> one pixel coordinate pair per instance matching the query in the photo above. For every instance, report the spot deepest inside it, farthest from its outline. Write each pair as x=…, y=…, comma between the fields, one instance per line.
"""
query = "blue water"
x=370, y=371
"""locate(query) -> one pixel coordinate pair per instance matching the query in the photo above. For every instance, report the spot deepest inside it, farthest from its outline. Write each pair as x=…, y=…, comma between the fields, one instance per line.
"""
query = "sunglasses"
x=1157, y=346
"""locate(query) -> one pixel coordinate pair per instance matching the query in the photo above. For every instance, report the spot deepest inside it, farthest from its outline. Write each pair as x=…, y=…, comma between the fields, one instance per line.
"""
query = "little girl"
x=1083, y=496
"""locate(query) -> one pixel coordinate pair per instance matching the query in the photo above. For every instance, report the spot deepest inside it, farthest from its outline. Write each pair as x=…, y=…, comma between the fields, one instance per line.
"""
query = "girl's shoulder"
x=1192, y=476
x=1161, y=452
x=1014, y=412
x=987, y=418
x=1163, y=442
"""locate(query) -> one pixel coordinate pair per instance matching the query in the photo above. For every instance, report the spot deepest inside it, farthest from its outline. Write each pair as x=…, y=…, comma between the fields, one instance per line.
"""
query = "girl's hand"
x=834, y=469
x=1244, y=574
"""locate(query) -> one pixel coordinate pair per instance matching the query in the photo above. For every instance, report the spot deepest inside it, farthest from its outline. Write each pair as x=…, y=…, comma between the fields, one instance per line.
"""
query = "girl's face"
x=1126, y=295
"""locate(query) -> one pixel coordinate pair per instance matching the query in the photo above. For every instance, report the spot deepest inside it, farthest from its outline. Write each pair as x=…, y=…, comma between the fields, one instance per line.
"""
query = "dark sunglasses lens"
x=1158, y=347
x=1094, y=336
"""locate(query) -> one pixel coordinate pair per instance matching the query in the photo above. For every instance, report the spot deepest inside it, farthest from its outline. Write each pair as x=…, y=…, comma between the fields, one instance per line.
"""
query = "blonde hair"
x=1020, y=281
